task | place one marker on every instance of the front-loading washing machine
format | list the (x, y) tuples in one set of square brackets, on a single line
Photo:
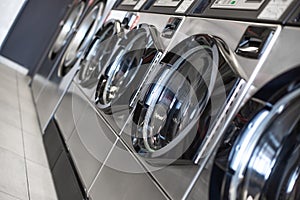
[(258, 158), (59, 79), (245, 160), (203, 74)]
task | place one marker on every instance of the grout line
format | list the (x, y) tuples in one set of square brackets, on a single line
[(25, 161), (10, 151), (36, 163), (10, 195)]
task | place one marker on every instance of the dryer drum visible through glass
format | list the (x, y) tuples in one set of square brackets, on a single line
[(259, 157), (121, 77), (98, 53), (67, 28), (181, 100)]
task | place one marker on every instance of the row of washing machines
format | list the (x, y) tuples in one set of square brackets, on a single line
[(173, 99)]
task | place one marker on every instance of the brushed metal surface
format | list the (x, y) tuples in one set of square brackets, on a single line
[(90, 144), (283, 56), (70, 110), (122, 177)]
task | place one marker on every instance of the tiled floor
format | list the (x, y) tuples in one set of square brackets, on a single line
[(24, 171)]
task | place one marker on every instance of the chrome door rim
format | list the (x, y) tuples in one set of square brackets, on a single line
[(84, 34), (116, 67), (92, 56), (210, 78), (257, 126)]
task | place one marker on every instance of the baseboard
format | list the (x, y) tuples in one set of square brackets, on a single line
[(13, 65)]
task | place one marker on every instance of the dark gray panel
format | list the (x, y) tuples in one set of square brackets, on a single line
[(31, 34)]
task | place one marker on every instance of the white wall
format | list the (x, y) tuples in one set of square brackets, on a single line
[(9, 10)]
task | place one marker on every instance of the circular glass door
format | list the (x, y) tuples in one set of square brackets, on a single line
[(67, 28), (82, 38), (98, 53), (169, 109), (126, 62)]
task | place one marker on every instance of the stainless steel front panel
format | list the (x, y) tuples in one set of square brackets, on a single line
[(122, 177), (229, 31), (160, 21), (70, 110), (90, 144), (283, 56), (51, 95)]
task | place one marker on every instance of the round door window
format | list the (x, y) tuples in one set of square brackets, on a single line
[(176, 97), (127, 61), (98, 53)]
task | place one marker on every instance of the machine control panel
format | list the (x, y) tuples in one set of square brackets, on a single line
[(275, 9), (167, 3), (238, 4), (184, 6), (133, 5)]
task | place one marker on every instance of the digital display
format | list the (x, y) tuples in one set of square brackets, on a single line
[(129, 2), (167, 3)]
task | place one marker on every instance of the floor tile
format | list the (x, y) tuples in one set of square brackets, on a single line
[(41, 185), (9, 97), (13, 174), (30, 123), (24, 91), (23, 78), (34, 149), (27, 107), (6, 70), (5, 196), (8, 82), (9, 114), (11, 138)]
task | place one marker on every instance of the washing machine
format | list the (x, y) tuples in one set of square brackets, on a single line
[(62, 73), (197, 83), (255, 156), (258, 157)]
